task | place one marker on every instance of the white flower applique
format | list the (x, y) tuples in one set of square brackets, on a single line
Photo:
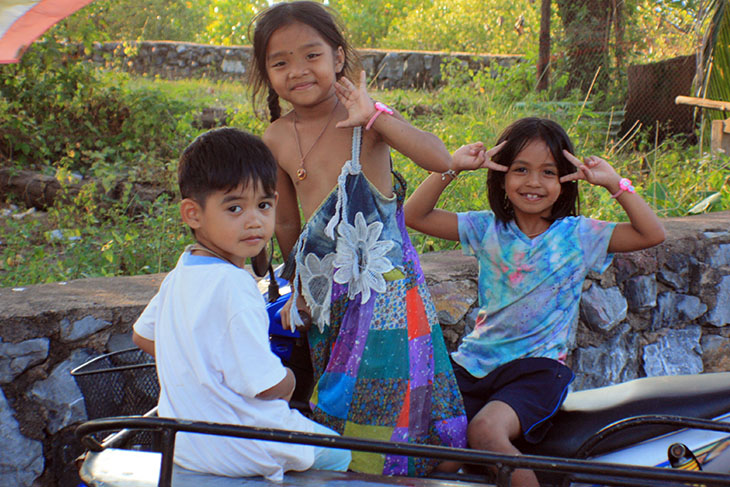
[(360, 259), (316, 279)]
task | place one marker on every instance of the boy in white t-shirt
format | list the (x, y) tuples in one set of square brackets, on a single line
[(208, 327)]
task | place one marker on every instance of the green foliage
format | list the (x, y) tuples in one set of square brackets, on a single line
[(57, 110), (664, 29), (368, 23), (228, 21), (498, 27), (130, 20), (84, 239), (60, 117)]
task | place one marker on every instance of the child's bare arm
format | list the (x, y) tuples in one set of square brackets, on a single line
[(423, 148), (421, 214), (283, 390), (644, 230), (288, 223), (420, 211), (144, 344)]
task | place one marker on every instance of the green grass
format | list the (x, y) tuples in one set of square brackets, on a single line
[(102, 239)]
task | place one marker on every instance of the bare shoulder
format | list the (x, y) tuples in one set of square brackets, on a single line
[(275, 135)]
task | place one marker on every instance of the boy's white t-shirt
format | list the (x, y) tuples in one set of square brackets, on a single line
[(210, 329)]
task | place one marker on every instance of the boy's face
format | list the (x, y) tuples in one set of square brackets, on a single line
[(236, 224)]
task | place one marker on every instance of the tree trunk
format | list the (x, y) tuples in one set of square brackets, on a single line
[(587, 26), (619, 33), (543, 61)]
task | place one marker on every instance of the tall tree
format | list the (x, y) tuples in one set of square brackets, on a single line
[(587, 25), (543, 56)]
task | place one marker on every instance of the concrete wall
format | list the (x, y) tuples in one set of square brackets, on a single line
[(661, 311), (177, 60)]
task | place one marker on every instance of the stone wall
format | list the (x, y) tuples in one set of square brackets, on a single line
[(661, 311), (177, 60)]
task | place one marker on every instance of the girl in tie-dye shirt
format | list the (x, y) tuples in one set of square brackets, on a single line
[(534, 252)]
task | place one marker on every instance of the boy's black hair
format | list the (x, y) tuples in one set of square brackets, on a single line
[(518, 135), (315, 15), (223, 159)]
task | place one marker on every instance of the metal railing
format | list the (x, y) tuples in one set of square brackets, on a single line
[(572, 469)]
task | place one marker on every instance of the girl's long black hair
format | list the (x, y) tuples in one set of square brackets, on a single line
[(518, 135)]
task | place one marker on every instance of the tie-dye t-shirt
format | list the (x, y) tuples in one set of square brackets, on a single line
[(529, 289)]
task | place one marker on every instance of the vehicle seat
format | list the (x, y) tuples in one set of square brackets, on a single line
[(584, 413)]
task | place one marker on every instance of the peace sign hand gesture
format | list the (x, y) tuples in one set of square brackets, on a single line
[(594, 170), (473, 156)]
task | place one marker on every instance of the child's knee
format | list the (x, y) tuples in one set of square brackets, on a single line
[(483, 433), (494, 428)]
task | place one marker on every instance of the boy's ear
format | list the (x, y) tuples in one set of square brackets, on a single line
[(191, 213), (339, 59)]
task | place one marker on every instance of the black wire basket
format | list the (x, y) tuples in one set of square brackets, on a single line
[(118, 384)]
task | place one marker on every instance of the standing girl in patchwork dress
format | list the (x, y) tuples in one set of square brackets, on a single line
[(381, 369)]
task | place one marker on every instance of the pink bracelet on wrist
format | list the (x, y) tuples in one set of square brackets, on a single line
[(379, 108), (624, 185)]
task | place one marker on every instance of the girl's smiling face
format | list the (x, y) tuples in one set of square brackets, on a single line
[(532, 182), (301, 66)]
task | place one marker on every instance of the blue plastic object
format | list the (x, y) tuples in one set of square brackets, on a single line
[(281, 341)]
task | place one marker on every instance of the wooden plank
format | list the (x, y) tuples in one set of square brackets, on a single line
[(723, 106)]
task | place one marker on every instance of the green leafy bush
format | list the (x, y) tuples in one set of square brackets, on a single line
[(56, 109)]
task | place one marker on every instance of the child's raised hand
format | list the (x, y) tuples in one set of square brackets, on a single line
[(593, 169), (473, 156), (357, 101), (468, 157)]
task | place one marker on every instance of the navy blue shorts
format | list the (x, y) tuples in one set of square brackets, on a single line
[(534, 387)]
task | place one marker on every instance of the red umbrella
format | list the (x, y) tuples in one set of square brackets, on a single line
[(24, 21)]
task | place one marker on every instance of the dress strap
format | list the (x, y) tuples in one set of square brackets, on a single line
[(356, 146), (350, 168)]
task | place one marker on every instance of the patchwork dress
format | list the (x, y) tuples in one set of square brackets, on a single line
[(381, 368)]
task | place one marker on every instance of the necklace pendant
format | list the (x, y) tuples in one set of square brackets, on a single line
[(301, 174)]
